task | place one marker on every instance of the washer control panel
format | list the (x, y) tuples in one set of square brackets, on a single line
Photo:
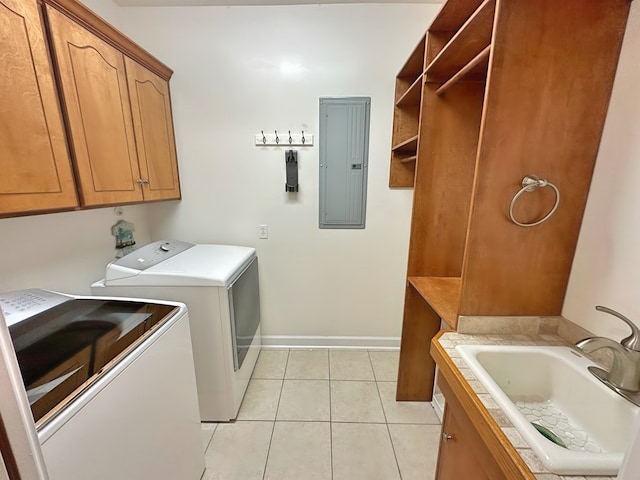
[(21, 304), (152, 254)]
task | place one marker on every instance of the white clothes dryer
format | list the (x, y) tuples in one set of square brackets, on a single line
[(219, 285)]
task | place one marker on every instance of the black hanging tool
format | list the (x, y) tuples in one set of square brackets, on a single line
[(291, 161)]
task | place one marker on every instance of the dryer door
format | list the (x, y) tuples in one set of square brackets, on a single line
[(244, 304)]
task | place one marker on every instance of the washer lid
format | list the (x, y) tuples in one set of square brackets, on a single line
[(199, 265)]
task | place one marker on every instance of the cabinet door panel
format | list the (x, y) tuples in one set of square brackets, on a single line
[(152, 121), (457, 458), (93, 78), (34, 160)]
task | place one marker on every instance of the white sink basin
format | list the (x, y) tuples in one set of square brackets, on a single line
[(552, 387)]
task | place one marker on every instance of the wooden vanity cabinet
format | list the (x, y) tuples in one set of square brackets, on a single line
[(510, 88), (35, 166), (462, 453)]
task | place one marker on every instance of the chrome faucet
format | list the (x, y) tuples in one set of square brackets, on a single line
[(624, 375)]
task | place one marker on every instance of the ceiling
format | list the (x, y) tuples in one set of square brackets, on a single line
[(185, 3)]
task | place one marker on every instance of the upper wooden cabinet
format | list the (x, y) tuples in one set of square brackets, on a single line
[(34, 160), (115, 104), (94, 86), (119, 117), (509, 89), (153, 126)]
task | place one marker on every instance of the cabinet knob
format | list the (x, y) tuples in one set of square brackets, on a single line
[(142, 181), (446, 436)]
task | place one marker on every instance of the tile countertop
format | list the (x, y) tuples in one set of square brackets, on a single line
[(565, 334)]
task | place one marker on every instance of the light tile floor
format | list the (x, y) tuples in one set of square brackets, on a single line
[(325, 415)]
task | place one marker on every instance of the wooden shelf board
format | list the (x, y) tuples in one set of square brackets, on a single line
[(412, 158), (415, 63), (477, 65), (453, 14), (402, 171), (409, 145), (412, 95), (442, 293), (472, 38)]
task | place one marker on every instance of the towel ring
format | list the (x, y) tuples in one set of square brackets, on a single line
[(529, 184)]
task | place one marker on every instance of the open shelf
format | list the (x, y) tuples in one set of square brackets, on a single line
[(474, 36), (412, 95), (402, 171), (406, 118), (411, 70), (411, 158), (476, 67), (442, 293), (409, 145), (452, 15)]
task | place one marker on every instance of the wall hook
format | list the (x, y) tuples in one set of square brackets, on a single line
[(290, 139), (303, 137), (264, 139), (277, 139)]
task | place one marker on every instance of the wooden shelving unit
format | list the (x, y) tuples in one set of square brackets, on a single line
[(406, 118), (508, 90)]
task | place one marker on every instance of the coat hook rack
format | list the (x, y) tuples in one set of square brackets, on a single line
[(302, 139)]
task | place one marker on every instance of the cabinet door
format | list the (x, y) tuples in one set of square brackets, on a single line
[(457, 458), (34, 160), (153, 126), (94, 86)]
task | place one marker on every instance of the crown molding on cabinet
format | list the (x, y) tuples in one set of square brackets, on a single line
[(89, 20)]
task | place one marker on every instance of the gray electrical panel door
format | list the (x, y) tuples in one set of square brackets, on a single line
[(344, 152)]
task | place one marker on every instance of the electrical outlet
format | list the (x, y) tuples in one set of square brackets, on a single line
[(263, 231)]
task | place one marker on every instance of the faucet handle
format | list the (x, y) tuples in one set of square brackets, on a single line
[(632, 342)]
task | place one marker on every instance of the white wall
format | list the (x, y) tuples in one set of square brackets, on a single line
[(229, 84), (62, 251), (606, 267)]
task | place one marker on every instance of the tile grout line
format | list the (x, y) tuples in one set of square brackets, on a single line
[(330, 419), (273, 428), (384, 412), (212, 434), (375, 377)]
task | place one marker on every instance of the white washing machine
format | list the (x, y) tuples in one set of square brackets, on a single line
[(219, 284), (110, 384)]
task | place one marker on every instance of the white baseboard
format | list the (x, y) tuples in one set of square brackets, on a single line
[(356, 343)]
